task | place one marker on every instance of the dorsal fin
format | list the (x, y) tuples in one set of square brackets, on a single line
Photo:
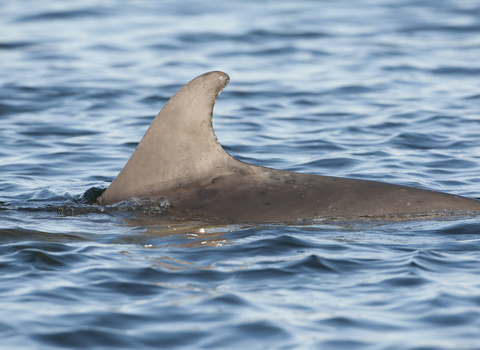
[(179, 144)]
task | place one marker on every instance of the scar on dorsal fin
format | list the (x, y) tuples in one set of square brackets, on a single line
[(180, 144)]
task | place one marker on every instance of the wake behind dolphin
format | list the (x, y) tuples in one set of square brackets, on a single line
[(180, 160)]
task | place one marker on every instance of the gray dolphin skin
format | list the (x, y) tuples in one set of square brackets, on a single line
[(179, 159)]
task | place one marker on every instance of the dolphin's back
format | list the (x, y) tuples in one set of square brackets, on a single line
[(180, 159)]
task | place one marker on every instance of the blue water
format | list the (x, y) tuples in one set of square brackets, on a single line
[(381, 90)]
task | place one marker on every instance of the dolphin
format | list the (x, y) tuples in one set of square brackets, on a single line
[(180, 160)]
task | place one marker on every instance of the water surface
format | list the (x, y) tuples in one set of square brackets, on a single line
[(380, 90)]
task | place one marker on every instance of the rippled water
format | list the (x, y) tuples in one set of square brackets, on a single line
[(382, 90)]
